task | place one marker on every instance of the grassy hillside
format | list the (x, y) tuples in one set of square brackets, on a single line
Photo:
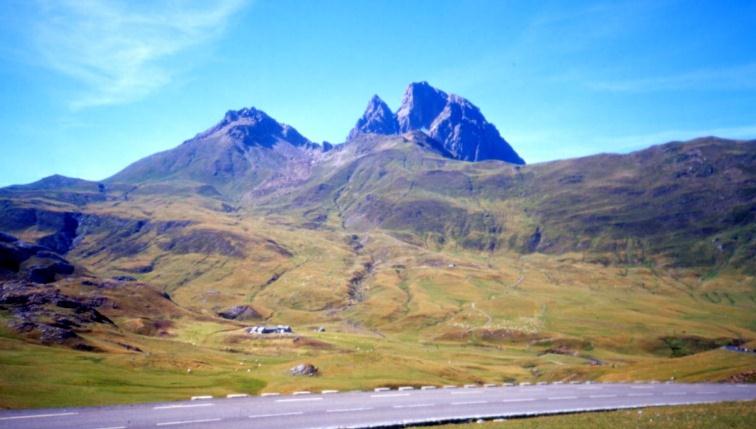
[(421, 270)]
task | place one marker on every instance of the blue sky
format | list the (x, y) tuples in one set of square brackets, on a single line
[(87, 87)]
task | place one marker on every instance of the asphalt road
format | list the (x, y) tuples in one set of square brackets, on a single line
[(377, 409)]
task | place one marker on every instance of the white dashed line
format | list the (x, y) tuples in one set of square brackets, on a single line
[(300, 399), (413, 406), (602, 396), (262, 416), (640, 394), (518, 400), (469, 403), (641, 387), (236, 395), (561, 398), (390, 395), (348, 410), (675, 394), (589, 388), (170, 407), (37, 416), (708, 392), (187, 422)]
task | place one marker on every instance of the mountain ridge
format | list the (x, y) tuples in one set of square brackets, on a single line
[(449, 118)]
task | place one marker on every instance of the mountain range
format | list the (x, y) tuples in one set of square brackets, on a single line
[(424, 229)]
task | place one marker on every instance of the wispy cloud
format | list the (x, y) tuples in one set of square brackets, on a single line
[(120, 51), (741, 77)]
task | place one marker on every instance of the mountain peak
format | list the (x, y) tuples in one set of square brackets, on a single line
[(420, 105), (254, 127), (448, 118), (377, 119)]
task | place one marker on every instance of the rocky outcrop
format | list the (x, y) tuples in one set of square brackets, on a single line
[(377, 119), (240, 312), (24, 261), (52, 317), (304, 369)]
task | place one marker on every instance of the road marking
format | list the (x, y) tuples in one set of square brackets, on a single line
[(640, 394), (347, 410), (560, 398), (299, 399), (518, 400), (469, 403), (170, 407), (114, 427), (270, 394), (262, 416), (708, 392), (602, 396), (675, 393), (413, 406), (201, 397), (466, 392), (37, 416), (589, 388), (427, 387), (186, 422), (302, 392), (381, 389), (236, 395), (390, 395), (406, 388), (325, 392)]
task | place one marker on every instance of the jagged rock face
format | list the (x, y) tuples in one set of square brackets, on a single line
[(377, 119), (420, 106), (455, 122), (447, 118), (467, 135), (20, 260)]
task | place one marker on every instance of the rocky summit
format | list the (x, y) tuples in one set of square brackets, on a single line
[(448, 118), (377, 119)]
